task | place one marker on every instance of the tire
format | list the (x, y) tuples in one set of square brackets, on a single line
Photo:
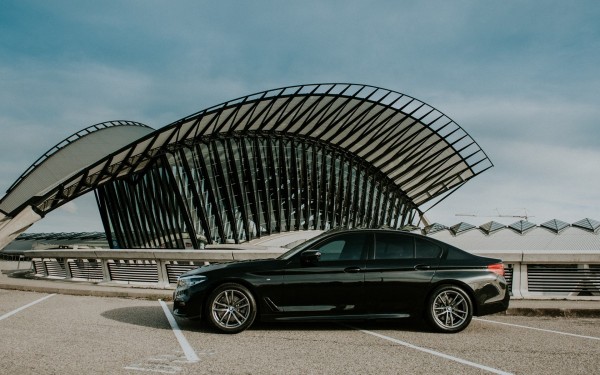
[(449, 309), (230, 308)]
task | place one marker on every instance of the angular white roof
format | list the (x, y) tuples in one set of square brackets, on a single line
[(537, 238), (69, 157)]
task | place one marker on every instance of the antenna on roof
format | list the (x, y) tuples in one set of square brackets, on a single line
[(524, 216)]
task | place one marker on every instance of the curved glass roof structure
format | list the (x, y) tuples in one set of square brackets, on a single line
[(415, 148), (419, 148)]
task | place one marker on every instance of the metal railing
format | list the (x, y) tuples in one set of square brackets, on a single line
[(152, 267)]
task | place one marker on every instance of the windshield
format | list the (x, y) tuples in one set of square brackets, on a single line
[(304, 245)]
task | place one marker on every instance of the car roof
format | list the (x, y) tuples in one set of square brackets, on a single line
[(380, 230)]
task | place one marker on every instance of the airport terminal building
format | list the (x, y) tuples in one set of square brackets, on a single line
[(310, 157), (269, 170)]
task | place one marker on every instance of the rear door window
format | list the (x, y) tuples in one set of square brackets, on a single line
[(394, 246), (426, 249)]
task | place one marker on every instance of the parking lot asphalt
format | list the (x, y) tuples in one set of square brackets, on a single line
[(45, 333), (17, 276)]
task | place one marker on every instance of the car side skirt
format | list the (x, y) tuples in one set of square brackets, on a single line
[(339, 317)]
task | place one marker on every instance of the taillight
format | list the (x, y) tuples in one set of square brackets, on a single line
[(497, 268)]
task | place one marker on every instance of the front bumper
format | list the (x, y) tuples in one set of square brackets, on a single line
[(185, 309), (187, 301)]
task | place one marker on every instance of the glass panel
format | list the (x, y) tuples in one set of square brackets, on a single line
[(427, 249), (394, 246), (351, 246)]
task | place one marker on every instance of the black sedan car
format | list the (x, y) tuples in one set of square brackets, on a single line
[(348, 275)]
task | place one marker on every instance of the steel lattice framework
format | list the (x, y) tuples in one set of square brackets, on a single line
[(310, 156), (241, 187)]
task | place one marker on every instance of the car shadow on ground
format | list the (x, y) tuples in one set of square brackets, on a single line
[(18, 274), (145, 316), (408, 325), (154, 317)]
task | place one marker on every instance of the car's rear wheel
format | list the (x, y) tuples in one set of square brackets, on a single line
[(449, 309), (231, 308)]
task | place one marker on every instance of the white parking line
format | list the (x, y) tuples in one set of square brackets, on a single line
[(538, 329), (433, 352), (24, 307), (190, 354)]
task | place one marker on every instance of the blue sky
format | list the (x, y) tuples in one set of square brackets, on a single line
[(522, 78)]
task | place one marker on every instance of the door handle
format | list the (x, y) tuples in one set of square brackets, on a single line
[(420, 267), (352, 269)]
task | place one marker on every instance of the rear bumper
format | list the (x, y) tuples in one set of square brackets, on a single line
[(494, 307)]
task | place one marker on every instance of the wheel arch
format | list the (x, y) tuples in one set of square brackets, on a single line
[(233, 280)]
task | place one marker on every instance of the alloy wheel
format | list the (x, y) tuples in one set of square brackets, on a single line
[(450, 309), (231, 309)]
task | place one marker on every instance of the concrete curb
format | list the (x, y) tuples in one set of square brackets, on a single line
[(553, 312), (149, 294)]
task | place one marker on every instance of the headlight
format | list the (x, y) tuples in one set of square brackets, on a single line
[(188, 281)]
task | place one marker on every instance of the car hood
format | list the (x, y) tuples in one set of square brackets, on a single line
[(241, 265)]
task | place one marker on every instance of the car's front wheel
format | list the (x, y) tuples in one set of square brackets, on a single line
[(231, 308), (449, 309)]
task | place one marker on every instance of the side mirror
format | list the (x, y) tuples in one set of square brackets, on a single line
[(310, 257)]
